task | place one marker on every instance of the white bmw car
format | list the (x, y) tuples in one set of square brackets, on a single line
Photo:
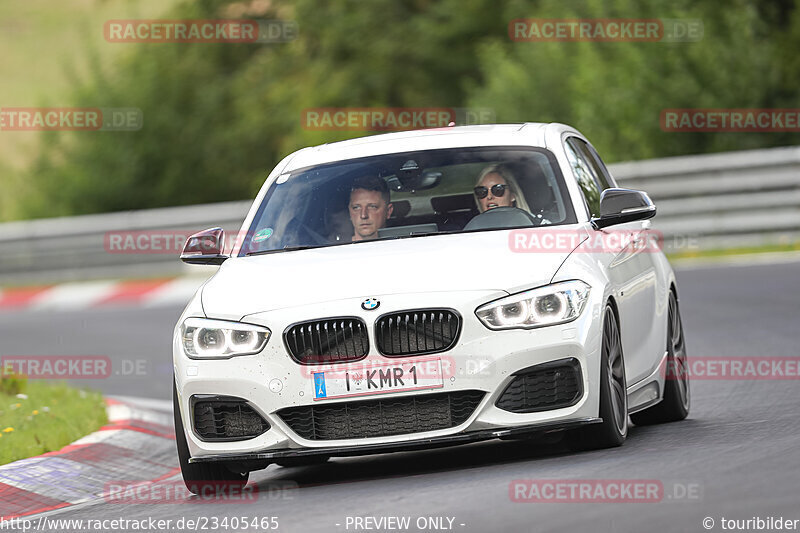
[(423, 289)]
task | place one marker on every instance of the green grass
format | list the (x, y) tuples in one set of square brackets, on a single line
[(723, 252), (38, 417)]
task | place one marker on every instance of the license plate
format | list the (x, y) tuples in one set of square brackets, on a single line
[(378, 379)]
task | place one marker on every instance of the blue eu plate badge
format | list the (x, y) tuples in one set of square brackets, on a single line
[(319, 385)]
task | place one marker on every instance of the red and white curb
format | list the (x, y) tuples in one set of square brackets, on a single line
[(79, 472), (83, 295)]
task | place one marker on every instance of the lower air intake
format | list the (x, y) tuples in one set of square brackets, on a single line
[(543, 387), (381, 418), (226, 419)]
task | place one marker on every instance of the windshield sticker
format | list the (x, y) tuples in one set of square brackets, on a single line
[(262, 235)]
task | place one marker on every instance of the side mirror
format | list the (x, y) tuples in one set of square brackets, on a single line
[(205, 248), (618, 206)]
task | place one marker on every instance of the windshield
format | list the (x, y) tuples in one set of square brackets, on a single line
[(410, 194)]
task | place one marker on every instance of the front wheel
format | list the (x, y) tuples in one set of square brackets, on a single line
[(613, 430), (201, 478)]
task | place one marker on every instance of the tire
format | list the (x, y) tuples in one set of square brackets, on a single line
[(613, 431), (677, 397), (200, 477)]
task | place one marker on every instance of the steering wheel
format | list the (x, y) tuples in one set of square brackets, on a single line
[(502, 217), (305, 236)]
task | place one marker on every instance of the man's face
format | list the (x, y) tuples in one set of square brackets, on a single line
[(368, 213)]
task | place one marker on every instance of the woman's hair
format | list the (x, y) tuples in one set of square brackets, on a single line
[(511, 181)]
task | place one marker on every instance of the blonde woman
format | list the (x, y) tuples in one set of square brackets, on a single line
[(497, 187)]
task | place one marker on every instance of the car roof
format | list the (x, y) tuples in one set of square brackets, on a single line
[(524, 134)]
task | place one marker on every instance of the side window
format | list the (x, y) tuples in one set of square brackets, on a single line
[(606, 178), (584, 176), (598, 170)]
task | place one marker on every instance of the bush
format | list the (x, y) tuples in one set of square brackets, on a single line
[(217, 118)]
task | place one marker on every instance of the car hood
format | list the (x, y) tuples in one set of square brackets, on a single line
[(476, 261)]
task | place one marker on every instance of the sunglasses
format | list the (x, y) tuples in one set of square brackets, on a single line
[(497, 190)]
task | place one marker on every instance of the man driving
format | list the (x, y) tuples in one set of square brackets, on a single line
[(369, 207)]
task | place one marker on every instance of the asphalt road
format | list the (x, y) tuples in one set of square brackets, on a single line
[(737, 456), (137, 342)]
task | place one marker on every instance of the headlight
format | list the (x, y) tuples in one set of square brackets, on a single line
[(208, 339), (544, 306)]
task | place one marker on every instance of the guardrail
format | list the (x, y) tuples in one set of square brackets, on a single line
[(725, 200), (78, 248)]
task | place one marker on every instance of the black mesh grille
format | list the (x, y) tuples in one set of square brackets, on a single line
[(330, 340), (417, 332), (380, 418), (227, 419), (542, 387)]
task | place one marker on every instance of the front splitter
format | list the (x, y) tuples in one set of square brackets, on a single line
[(389, 447)]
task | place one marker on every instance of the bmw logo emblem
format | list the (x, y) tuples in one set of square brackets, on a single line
[(370, 304)]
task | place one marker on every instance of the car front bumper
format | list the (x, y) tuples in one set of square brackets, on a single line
[(482, 360)]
